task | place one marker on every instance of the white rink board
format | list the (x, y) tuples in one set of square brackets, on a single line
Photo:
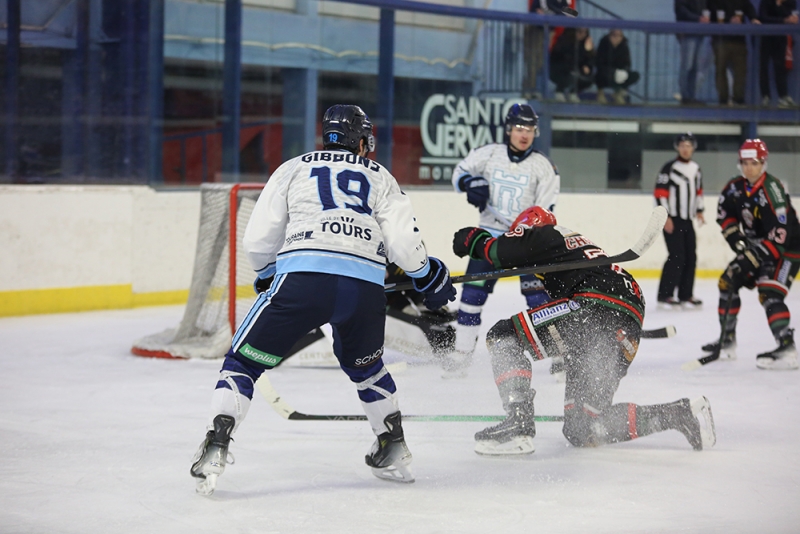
[(73, 236)]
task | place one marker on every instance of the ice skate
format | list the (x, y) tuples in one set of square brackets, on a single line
[(728, 346), (783, 358), (694, 420), (669, 303), (212, 456), (514, 435), (692, 303), (558, 370), (456, 364), (389, 457)]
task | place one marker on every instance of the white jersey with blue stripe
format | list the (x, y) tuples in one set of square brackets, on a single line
[(513, 187), (334, 212)]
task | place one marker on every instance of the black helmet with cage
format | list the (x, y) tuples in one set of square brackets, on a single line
[(344, 126)]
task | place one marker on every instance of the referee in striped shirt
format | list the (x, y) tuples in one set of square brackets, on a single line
[(679, 188)]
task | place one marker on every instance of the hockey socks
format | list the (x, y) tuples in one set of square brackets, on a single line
[(692, 418)]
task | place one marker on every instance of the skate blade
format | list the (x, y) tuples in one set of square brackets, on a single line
[(207, 485), (701, 409), (691, 365), (394, 473), (456, 374), (783, 364), (517, 445)]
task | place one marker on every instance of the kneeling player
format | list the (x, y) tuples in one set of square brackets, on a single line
[(594, 323)]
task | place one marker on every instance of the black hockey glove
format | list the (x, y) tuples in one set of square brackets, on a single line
[(477, 190), (262, 285), (436, 285), (735, 239), (741, 271), (470, 242)]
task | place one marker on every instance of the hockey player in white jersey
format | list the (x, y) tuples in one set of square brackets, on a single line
[(502, 181), (319, 239)]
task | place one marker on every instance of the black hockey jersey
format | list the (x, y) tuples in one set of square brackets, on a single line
[(761, 214), (609, 285)]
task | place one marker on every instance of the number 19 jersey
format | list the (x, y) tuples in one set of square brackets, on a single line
[(333, 212)]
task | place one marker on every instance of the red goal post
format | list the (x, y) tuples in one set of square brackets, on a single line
[(221, 290)]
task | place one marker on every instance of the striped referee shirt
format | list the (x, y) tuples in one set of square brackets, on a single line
[(679, 188)]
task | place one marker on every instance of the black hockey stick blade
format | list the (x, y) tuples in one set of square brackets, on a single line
[(287, 412), (714, 356), (651, 232), (659, 333)]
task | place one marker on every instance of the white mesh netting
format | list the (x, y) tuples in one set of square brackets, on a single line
[(207, 325)]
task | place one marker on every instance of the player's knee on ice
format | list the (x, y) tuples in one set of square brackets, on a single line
[(581, 428)]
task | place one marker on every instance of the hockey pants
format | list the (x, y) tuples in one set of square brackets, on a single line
[(596, 358)]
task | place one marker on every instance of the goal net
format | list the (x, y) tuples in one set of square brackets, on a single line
[(221, 291)]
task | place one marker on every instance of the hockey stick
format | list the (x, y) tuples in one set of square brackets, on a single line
[(267, 390), (498, 216), (651, 232), (659, 333), (714, 356)]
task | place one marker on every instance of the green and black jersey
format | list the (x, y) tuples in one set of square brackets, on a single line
[(761, 214), (609, 285)]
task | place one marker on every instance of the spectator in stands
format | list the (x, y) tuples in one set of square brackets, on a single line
[(534, 50), (731, 50), (614, 67), (534, 43), (691, 44), (571, 64), (773, 49)]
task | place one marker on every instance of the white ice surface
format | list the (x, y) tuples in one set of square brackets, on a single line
[(95, 440)]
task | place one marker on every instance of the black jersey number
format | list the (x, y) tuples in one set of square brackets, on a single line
[(351, 183)]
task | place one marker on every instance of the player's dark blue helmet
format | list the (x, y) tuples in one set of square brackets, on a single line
[(344, 126), (522, 115), (688, 136)]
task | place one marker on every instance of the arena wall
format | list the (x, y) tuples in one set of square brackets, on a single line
[(74, 248)]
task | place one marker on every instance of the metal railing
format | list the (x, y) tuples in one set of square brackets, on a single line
[(655, 54)]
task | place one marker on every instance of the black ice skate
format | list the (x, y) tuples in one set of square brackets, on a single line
[(514, 435), (212, 456), (783, 358), (694, 420), (389, 457), (692, 303), (728, 346), (669, 303)]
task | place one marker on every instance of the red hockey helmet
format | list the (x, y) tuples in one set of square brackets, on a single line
[(534, 217), (754, 149)]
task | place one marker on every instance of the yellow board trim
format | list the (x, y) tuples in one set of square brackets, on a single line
[(656, 273), (87, 298)]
